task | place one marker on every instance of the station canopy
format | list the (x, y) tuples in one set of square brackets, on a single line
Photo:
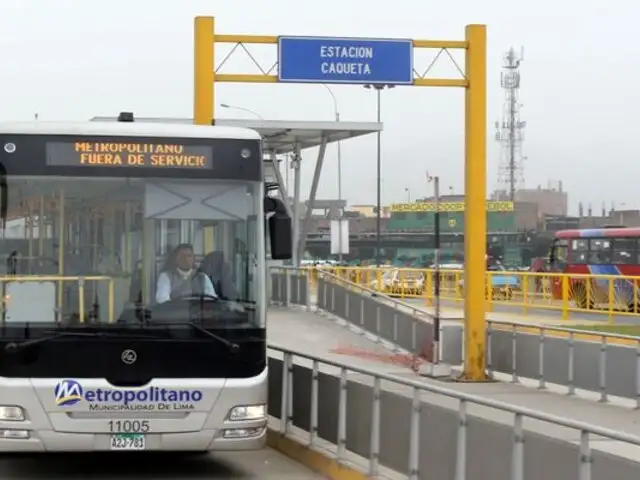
[(282, 136)]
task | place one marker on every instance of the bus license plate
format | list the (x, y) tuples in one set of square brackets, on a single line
[(128, 441)]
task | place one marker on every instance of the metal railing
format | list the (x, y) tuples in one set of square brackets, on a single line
[(389, 429), (63, 281), (609, 295), (409, 328), (296, 285), (290, 286), (384, 299), (607, 363), (404, 326)]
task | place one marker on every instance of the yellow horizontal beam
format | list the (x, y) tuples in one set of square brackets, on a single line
[(440, 82), (261, 78), (246, 78), (265, 39), (440, 44), (51, 278), (272, 39)]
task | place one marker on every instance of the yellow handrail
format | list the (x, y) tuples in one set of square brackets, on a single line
[(61, 279), (526, 292)]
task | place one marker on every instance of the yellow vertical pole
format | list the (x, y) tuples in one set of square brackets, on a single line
[(203, 71), (41, 228), (111, 299), (126, 263), (475, 221), (208, 240), (61, 247), (30, 224)]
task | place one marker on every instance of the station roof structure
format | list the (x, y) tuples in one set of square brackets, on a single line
[(282, 136)]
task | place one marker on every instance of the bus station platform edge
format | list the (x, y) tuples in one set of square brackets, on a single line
[(322, 337)]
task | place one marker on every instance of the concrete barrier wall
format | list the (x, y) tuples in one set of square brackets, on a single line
[(612, 369), (289, 286), (489, 444), (388, 320)]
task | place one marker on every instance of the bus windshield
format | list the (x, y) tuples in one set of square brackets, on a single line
[(118, 250)]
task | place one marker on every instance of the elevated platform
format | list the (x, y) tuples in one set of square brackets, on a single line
[(552, 446), (330, 339)]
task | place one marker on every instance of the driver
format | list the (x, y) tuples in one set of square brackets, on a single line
[(182, 279)]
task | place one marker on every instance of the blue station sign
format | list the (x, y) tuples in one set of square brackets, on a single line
[(345, 60)]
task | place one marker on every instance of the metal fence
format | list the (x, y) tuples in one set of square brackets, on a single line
[(403, 325), (427, 431), (290, 286), (601, 362), (609, 295)]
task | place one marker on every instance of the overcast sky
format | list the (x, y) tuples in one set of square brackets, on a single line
[(71, 60)]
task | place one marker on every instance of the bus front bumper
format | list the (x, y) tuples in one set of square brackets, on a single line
[(15, 439)]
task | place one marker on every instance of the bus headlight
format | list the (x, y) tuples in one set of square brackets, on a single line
[(247, 412), (10, 413)]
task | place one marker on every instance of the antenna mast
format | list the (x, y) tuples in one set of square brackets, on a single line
[(510, 129)]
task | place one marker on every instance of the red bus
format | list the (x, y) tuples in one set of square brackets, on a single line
[(598, 251)]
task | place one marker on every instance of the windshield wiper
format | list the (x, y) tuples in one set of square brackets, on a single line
[(14, 347), (233, 347)]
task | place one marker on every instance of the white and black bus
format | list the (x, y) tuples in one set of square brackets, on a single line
[(133, 287)]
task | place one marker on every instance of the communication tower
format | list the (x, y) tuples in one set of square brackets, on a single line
[(510, 129)]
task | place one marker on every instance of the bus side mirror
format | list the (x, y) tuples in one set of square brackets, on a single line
[(280, 236), (4, 196), (280, 231)]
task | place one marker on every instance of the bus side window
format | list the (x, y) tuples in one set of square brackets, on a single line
[(600, 251), (559, 252), (624, 251), (579, 251)]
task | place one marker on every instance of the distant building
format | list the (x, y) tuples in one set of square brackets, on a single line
[(419, 216), (368, 210), (551, 200)]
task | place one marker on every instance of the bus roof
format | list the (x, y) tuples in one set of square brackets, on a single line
[(600, 232), (127, 129)]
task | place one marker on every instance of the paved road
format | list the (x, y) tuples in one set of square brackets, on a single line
[(263, 464)]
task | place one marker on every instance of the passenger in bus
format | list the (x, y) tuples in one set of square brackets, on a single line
[(181, 278)]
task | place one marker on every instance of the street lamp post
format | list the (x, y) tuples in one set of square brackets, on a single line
[(336, 113), (436, 262), (378, 88), (242, 109)]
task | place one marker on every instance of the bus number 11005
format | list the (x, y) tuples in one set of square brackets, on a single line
[(129, 426)]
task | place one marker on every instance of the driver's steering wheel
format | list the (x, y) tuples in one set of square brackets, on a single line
[(191, 296), (231, 306)]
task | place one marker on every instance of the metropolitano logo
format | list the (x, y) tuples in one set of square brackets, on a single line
[(68, 393)]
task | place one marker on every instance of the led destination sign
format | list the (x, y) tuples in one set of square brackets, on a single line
[(129, 154)]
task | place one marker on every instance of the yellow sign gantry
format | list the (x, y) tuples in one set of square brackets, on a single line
[(474, 81)]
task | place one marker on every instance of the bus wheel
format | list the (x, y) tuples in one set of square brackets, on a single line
[(633, 307)]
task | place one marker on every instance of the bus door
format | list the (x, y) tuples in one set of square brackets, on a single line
[(557, 262)]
